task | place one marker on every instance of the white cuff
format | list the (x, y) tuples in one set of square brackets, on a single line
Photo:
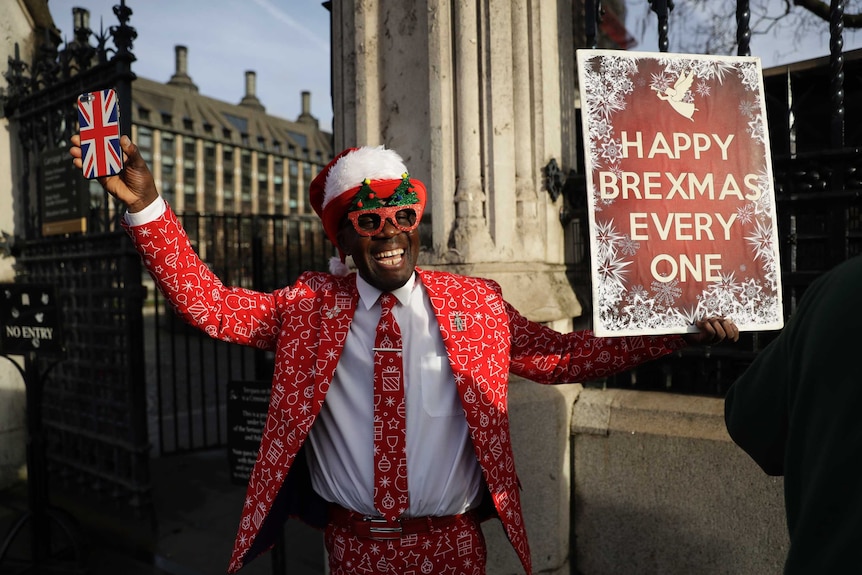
[(152, 212)]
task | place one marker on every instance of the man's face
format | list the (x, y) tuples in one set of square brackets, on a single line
[(385, 259)]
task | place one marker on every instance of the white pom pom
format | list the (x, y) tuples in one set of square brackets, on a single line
[(373, 163), (338, 267)]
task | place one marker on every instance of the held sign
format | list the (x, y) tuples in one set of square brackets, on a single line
[(680, 192), (28, 319)]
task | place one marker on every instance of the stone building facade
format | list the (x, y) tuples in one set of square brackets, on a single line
[(211, 156)]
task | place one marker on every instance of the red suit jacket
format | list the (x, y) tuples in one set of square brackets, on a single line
[(306, 325)]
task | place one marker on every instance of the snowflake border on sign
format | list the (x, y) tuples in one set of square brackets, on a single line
[(608, 82)]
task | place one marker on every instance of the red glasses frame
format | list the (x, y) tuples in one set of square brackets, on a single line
[(383, 214)]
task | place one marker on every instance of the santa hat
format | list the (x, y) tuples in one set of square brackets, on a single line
[(332, 191)]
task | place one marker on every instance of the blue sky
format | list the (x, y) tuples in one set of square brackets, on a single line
[(286, 42)]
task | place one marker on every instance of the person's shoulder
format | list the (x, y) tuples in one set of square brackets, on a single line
[(843, 278), (852, 266), (452, 278), (323, 281)]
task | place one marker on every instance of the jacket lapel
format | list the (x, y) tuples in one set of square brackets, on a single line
[(295, 402), (336, 313), (472, 319)]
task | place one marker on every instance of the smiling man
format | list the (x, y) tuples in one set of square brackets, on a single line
[(388, 422), (370, 206)]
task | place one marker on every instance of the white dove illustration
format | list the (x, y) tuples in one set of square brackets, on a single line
[(675, 96)]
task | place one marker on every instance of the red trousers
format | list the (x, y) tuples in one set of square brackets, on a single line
[(457, 549)]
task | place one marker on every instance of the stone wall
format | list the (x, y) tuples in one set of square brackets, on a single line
[(645, 483)]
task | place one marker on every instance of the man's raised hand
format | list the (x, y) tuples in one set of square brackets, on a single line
[(134, 186)]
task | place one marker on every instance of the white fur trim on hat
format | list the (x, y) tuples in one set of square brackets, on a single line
[(372, 163)]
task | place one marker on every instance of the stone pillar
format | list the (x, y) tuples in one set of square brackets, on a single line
[(472, 233), (526, 195), (476, 97)]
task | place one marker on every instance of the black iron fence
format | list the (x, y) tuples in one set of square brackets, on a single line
[(94, 398), (188, 372)]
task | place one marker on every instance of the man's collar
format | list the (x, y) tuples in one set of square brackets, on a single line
[(369, 294)]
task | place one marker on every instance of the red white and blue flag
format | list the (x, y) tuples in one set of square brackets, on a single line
[(99, 117)]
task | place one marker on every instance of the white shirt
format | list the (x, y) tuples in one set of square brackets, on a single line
[(443, 475)]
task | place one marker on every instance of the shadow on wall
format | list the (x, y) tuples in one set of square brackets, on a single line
[(652, 504), (659, 543)]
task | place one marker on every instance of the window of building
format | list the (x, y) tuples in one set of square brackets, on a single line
[(188, 124), (190, 174), (144, 114), (293, 184), (300, 139), (229, 188), (97, 195), (209, 175), (169, 172), (245, 181), (238, 122), (263, 182), (166, 119), (145, 144), (306, 174), (278, 185)]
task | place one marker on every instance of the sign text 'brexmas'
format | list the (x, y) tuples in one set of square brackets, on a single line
[(679, 186)]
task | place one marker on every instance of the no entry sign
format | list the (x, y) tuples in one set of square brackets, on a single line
[(29, 319)]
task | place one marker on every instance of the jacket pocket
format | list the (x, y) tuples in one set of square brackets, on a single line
[(439, 392)]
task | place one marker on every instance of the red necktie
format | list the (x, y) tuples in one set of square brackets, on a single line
[(390, 422)]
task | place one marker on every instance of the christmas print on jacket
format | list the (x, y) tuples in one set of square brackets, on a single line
[(306, 325)]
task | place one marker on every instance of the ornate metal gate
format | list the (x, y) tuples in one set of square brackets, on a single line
[(94, 399), (191, 370)]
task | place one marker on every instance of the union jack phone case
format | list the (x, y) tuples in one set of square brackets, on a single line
[(99, 123)]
